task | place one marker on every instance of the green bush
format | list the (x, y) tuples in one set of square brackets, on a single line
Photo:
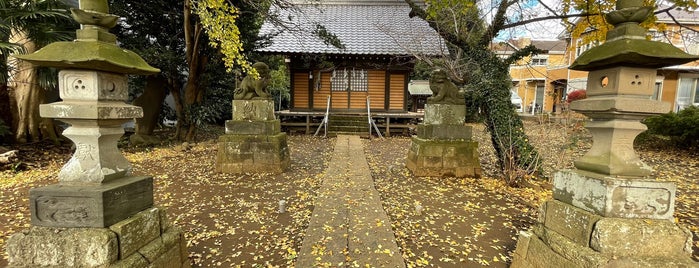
[(682, 127)]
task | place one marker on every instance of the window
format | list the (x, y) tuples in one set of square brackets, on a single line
[(540, 90), (539, 61), (657, 36), (687, 92), (338, 80), (580, 47), (658, 90), (349, 80), (575, 84), (690, 39)]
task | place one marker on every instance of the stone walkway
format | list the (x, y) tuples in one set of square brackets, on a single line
[(349, 227)]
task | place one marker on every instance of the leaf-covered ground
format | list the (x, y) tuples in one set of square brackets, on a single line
[(231, 220)]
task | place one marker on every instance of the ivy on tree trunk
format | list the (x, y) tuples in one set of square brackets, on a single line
[(489, 76)]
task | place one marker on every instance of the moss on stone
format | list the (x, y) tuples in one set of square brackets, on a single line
[(632, 53), (90, 55)]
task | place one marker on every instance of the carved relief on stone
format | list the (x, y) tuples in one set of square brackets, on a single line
[(113, 86), (248, 111), (62, 210), (640, 202), (91, 85), (75, 85)]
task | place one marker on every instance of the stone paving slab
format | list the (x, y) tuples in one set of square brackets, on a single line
[(349, 226)]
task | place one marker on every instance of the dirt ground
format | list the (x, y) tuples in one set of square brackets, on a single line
[(231, 220)]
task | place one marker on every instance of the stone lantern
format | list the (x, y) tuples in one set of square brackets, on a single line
[(97, 215), (610, 212)]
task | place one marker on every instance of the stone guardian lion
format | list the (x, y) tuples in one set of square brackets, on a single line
[(443, 90), (255, 89)]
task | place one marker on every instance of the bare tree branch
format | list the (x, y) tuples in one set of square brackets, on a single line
[(553, 17), (417, 11), (683, 26), (547, 7), (498, 22)]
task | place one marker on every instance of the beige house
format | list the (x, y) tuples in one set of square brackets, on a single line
[(531, 78), (677, 85), (544, 80)]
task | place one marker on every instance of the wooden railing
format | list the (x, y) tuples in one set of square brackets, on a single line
[(371, 120), (325, 121)]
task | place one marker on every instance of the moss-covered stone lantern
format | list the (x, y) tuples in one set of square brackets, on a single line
[(610, 212), (98, 215)]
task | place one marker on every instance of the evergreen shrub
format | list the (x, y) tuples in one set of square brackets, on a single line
[(682, 127)]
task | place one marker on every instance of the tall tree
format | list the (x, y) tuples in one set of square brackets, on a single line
[(162, 45), (474, 64), (187, 48), (26, 26)]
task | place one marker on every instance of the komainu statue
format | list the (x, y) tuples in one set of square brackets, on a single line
[(443, 90), (254, 89)]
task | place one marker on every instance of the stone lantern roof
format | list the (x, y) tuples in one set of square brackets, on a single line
[(94, 49)]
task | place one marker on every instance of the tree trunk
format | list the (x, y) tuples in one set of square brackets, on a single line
[(151, 101), (26, 97), (196, 62), (516, 156), (179, 111), (5, 110), (189, 100)]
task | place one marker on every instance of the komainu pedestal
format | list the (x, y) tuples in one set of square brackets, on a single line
[(253, 142), (443, 145)]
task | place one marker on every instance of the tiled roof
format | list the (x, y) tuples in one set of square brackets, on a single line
[(682, 16), (515, 44), (352, 2), (550, 45), (380, 27), (502, 47)]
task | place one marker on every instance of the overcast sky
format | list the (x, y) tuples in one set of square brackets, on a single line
[(549, 29)]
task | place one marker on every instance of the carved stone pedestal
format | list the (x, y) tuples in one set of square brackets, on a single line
[(443, 145), (146, 239), (613, 224), (65, 205), (253, 142)]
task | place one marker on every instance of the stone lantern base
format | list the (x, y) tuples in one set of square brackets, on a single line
[(253, 142), (146, 239), (443, 145), (614, 223)]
